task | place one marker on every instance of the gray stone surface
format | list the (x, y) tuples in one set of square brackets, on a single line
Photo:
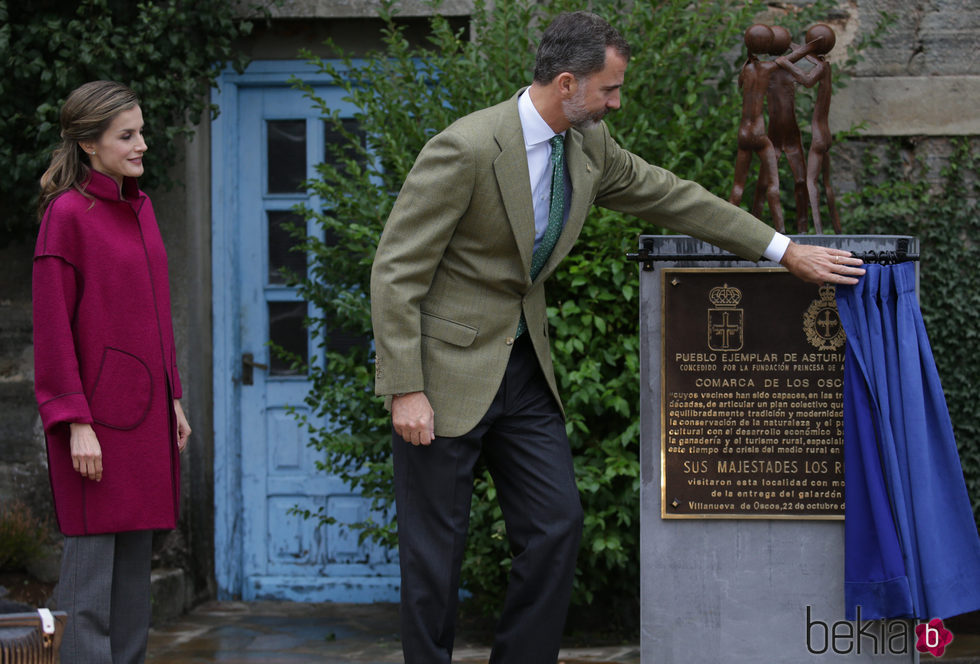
[(23, 459), (47, 566), (908, 106), (172, 594), (325, 633), (730, 590), (184, 215), (927, 38)]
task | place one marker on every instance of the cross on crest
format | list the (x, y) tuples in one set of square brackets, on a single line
[(725, 321)]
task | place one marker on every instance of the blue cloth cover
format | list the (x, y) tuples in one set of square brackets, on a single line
[(912, 548)]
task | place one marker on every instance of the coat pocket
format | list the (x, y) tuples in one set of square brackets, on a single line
[(123, 391), (446, 330)]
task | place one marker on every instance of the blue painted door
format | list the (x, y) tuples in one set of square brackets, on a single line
[(263, 551)]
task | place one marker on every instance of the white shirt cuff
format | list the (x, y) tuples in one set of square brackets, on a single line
[(777, 247)]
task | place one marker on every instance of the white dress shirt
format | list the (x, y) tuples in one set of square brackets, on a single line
[(537, 135)]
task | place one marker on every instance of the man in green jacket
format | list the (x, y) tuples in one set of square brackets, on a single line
[(491, 207)]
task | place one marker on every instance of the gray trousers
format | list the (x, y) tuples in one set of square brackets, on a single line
[(105, 590)]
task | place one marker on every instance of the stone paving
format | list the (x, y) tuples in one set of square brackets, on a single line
[(287, 633), (292, 633)]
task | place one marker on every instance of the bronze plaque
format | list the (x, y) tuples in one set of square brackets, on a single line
[(752, 388)]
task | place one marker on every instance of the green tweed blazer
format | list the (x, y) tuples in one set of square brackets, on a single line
[(452, 271)]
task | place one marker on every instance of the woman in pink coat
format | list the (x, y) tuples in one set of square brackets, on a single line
[(105, 373)]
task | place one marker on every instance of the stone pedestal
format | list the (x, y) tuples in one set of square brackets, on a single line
[(741, 590)]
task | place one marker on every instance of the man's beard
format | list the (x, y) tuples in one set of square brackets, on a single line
[(578, 115)]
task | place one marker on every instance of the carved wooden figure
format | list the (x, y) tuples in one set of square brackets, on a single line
[(820, 40), (784, 130), (753, 80)]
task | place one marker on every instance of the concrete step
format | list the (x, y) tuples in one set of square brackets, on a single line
[(171, 593)]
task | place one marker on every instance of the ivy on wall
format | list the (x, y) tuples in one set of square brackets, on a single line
[(169, 51)]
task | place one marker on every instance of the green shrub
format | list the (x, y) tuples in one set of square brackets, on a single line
[(170, 52), (680, 110), (22, 536)]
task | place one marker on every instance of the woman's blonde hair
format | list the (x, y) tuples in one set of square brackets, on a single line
[(86, 115)]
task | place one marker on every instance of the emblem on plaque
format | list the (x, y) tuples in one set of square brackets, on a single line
[(725, 320), (821, 322)]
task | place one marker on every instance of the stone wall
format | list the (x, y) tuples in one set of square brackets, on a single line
[(23, 460), (921, 84)]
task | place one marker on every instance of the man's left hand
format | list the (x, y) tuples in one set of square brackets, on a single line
[(818, 264)]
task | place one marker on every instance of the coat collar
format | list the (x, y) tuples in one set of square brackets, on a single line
[(102, 186)]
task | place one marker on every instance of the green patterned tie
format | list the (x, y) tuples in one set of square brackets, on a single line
[(556, 215)]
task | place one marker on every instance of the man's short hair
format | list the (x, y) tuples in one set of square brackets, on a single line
[(576, 42)]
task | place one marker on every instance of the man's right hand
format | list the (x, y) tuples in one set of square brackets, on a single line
[(413, 418)]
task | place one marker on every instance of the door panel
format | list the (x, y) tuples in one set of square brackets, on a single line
[(271, 552)]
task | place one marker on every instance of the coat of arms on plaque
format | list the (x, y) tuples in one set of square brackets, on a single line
[(821, 322), (725, 321)]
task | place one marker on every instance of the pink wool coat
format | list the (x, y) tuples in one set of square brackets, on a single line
[(104, 354)]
